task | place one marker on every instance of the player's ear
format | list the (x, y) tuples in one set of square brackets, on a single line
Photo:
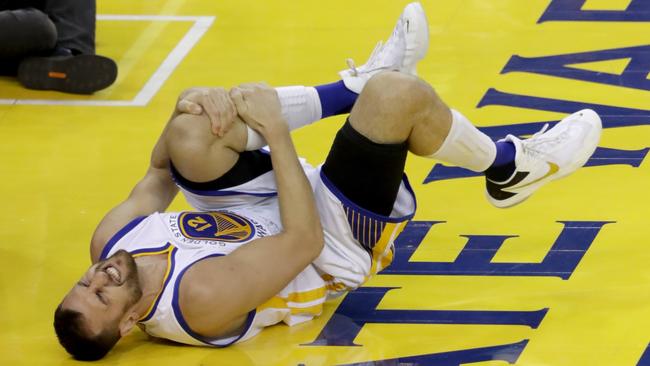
[(127, 323)]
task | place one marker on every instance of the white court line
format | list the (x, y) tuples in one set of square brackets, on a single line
[(155, 82)]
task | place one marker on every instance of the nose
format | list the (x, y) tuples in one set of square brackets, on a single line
[(98, 280)]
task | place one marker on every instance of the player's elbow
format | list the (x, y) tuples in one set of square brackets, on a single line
[(317, 242), (309, 241)]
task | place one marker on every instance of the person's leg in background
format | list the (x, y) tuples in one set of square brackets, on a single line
[(70, 65), (24, 30), (75, 24)]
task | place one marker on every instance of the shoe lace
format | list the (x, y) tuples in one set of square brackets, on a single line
[(377, 59), (538, 145), (371, 60)]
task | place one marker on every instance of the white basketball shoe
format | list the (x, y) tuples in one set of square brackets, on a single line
[(546, 156), (404, 49)]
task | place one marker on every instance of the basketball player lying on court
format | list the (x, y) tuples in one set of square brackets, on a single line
[(275, 237)]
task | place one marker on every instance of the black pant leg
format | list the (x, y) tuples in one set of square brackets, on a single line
[(21, 4), (25, 32), (9, 67), (75, 23)]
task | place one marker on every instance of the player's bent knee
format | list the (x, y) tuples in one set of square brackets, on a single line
[(393, 80), (188, 129), (384, 82), (188, 138), (195, 152), (388, 78), (399, 89)]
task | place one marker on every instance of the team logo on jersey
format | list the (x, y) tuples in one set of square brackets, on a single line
[(217, 226)]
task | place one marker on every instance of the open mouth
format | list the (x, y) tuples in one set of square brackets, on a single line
[(114, 274)]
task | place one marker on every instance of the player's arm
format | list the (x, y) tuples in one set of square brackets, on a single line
[(154, 192), (217, 293)]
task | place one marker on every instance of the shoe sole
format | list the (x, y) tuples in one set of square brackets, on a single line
[(593, 119), (82, 74), (417, 20)]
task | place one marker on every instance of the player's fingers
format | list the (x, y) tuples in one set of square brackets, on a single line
[(249, 87), (228, 116), (212, 110), (246, 85), (238, 99), (187, 93), (187, 106), (221, 104)]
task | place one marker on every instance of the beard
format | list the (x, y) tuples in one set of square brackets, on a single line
[(130, 279)]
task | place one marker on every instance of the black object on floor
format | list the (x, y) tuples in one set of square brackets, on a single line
[(81, 74)]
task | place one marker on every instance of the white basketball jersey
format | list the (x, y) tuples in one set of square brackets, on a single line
[(358, 243), (189, 237)]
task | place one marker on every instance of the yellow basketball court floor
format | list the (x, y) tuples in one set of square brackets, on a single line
[(561, 280)]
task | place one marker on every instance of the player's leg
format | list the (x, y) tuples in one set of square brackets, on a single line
[(215, 172), (205, 165), (196, 154), (202, 161), (303, 105), (363, 196), (407, 45), (367, 201), (396, 107), (366, 161)]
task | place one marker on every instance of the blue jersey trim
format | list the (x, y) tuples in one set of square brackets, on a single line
[(119, 235), (164, 286), (368, 213), (181, 320)]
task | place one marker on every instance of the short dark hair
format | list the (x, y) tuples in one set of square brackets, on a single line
[(69, 327)]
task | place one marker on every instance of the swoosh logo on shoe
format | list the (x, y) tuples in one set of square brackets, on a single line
[(498, 190), (552, 169)]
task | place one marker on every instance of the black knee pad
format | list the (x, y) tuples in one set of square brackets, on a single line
[(365, 172)]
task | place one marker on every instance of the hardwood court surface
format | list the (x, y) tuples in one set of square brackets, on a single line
[(560, 280)]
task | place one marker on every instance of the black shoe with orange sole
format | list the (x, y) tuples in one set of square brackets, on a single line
[(81, 74)]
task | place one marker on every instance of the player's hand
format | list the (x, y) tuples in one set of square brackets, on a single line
[(214, 102), (258, 105)]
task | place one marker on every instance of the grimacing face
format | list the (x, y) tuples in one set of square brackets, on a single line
[(105, 292)]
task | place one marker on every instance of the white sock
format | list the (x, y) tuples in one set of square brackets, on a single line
[(466, 146), (300, 107)]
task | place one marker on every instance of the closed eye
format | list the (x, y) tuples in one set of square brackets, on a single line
[(101, 298), (99, 295)]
